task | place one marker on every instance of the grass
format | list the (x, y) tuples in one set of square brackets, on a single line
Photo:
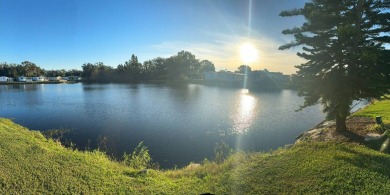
[(32, 164), (377, 108)]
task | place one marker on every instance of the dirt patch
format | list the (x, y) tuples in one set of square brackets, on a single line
[(361, 125), (358, 127)]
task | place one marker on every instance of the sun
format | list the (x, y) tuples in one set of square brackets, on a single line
[(248, 53)]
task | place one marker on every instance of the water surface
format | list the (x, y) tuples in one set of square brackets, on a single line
[(180, 123)]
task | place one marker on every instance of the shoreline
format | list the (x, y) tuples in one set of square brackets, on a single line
[(319, 130), (38, 82)]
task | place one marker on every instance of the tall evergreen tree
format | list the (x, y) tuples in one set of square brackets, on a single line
[(344, 43)]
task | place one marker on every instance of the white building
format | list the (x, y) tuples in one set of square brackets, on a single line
[(224, 76), (55, 78), (3, 79), (38, 79), (21, 79)]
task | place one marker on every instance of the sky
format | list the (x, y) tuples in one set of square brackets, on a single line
[(65, 34)]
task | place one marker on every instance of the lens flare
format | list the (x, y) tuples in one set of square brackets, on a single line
[(385, 145)]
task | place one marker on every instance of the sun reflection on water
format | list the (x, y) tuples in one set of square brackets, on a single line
[(245, 112)]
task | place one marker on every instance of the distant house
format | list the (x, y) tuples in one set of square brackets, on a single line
[(29, 79), (74, 78), (3, 79), (261, 75), (55, 78), (275, 75), (257, 75), (224, 76), (38, 79), (210, 75), (21, 79), (65, 78)]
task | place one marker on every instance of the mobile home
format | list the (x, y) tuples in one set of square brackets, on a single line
[(224, 76), (3, 79), (39, 79), (21, 79), (55, 78), (74, 78)]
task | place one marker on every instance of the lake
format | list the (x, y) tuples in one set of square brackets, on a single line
[(180, 123)]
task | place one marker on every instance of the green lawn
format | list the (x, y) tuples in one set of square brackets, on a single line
[(378, 108), (32, 164)]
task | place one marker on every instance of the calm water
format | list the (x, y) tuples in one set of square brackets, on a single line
[(179, 123)]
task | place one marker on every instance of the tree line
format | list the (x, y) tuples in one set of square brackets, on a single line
[(182, 66), (30, 69)]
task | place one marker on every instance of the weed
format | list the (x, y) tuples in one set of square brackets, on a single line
[(139, 159), (102, 143), (222, 151)]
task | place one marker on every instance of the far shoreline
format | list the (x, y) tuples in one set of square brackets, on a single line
[(37, 82)]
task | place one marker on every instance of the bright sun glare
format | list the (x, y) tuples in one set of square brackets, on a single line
[(248, 53)]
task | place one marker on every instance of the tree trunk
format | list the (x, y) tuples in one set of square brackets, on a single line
[(340, 124)]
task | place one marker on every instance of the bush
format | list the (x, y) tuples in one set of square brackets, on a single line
[(222, 151), (139, 159)]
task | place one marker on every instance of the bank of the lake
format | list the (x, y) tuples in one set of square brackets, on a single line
[(32, 164), (36, 82)]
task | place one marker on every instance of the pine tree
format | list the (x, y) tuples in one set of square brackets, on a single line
[(346, 47)]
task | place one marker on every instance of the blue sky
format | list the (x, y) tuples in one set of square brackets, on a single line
[(64, 34)]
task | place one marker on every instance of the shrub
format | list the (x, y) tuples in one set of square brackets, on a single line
[(139, 159), (222, 151)]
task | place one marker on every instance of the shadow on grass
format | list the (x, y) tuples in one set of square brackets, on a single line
[(377, 144), (353, 136), (372, 162), (373, 144)]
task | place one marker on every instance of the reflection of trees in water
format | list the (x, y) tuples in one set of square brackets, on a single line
[(31, 97)]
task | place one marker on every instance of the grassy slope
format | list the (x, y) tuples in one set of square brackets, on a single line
[(314, 168), (378, 108), (30, 164)]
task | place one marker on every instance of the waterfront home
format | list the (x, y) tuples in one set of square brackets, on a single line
[(38, 79), (65, 78), (3, 79), (224, 76), (55, 78), (260, 75), (74, 78), (29, 79), (210, 76), (21, 79)]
